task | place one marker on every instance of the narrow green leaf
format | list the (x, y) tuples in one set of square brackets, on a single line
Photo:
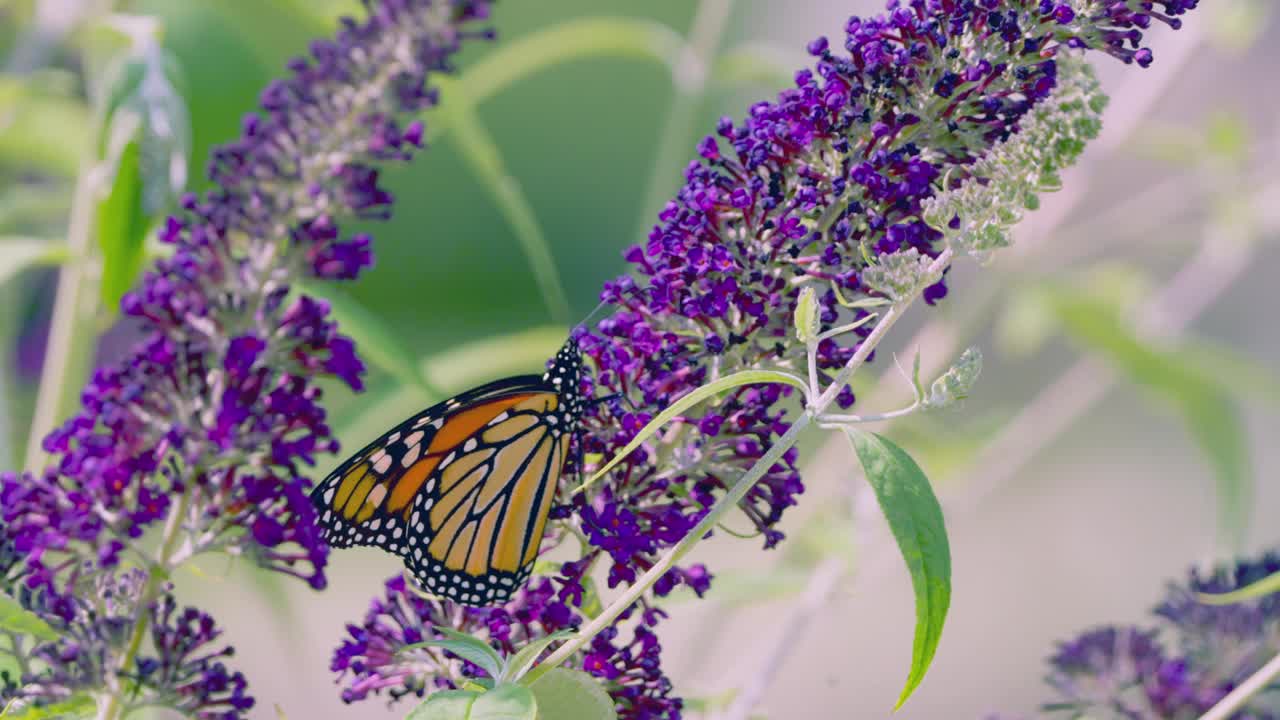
[(624, 37), (1197, 393), (19, 253), (474, 362), (378, 343), (122, 228), (480, 152), (758, 64), (445, 705), (729, 382), (572, 695), (15, 618), (77, 706), (517, 665), (473, 650), (1248, 379), (506, 702), (1262, 588), (915, 518)]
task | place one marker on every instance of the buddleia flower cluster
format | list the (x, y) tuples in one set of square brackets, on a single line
[(1184, 665), (852, 182), (206, 431)]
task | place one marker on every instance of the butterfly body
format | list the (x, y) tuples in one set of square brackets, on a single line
[(462, 489)]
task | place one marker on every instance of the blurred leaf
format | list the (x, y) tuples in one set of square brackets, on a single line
[(378, 343), (1227, 136), (1249, 379), (758, 64), (1026, 324), (1200, 397), (122, 228), (473, 650), (25, 206), (475, 362), (18, 254), (445, 705), (1266, 586), (565, 694), (915, 517), (506, 702), (517, 665), (14, 618), (710, 390), (485, 160), (738, 588), (77, 706), (40, 130), (1237, 24), (567, 41)]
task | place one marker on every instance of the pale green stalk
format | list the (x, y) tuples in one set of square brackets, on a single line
[(1237, 698), (69, 353)]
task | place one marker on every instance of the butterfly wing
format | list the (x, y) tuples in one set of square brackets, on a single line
[(460, 490)]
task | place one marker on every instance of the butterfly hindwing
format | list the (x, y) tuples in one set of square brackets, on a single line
[(461, 490)]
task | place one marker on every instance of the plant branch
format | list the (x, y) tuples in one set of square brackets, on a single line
[(112, 708), (731, 498), (1236, 699)]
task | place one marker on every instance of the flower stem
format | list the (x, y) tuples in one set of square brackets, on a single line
[(739, 489), (113, 706), (1238, 697), (70, 347)]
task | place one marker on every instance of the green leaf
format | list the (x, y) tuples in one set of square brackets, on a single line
[(122, 228), (19, 253), (571, 695), (17, 619), (915, 517), (1262, 588), (1248, 379), (473, 650), (481, 153), (758, 64), (567, 41), (445, 705), (729, 382), (506, 702), (378, 343), (517, 665), (77, 706), (1199, 397), (474, 362), (40, 129)]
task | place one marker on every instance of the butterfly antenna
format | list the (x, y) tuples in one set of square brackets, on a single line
[(604, 304)]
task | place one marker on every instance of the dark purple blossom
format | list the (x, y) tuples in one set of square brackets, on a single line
[(1132, 672), (839, 167), (373, 658), (216, 413)]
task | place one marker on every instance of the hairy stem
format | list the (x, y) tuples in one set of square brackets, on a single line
[(112, 708)]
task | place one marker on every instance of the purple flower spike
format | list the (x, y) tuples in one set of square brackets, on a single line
[(218, 408)]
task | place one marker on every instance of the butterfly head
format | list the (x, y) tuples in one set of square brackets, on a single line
[(564, 374)]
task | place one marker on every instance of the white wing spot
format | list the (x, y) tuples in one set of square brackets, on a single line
[(411, 456)]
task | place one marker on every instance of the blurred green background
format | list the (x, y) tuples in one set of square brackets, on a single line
[(1062, 516)]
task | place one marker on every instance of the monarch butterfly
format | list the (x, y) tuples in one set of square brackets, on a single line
[(462, 489)]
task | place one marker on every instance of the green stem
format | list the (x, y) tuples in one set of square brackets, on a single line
[(69, 352), (689, 80), (113, 707), (739, 489)]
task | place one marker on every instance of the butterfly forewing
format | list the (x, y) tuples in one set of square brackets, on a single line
[(461, 490)]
